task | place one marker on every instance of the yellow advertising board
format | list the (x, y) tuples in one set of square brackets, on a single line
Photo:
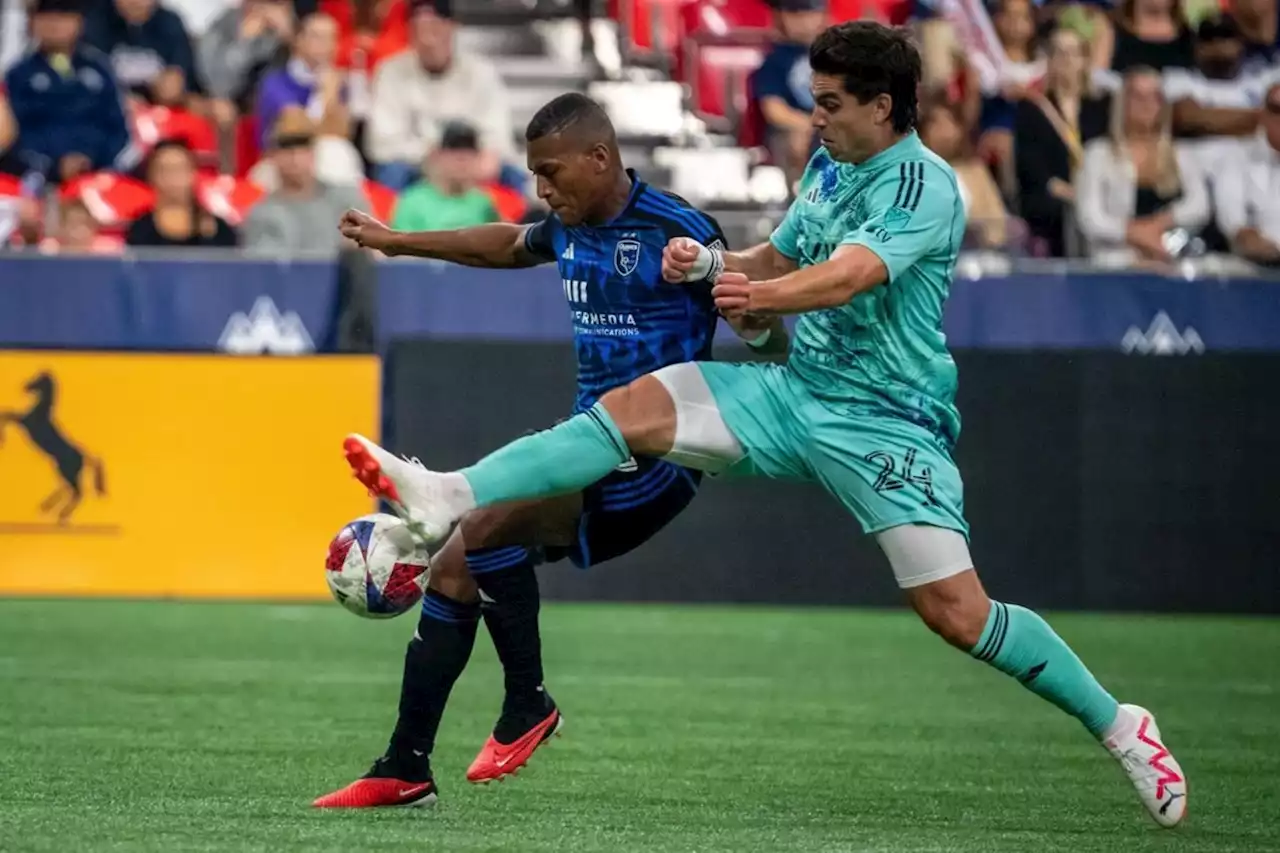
[(202, 476)]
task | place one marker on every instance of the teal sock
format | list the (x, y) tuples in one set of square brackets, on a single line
[(1019, 643), (566, 458)]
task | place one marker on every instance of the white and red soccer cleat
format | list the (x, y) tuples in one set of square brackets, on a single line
[(422, 498), (1162, 786)]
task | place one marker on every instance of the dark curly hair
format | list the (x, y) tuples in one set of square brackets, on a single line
[(873, 60)]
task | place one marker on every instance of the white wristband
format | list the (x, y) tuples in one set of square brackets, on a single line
[(708, 266), (757, 343)]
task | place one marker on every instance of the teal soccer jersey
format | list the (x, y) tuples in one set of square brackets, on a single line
[(886, 347), (866, 403)]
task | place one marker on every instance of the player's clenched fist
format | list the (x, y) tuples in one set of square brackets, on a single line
[(679, 258), (364, 230), (685, 259), (732, 293)]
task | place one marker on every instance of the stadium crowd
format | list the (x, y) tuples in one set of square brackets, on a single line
[(1131, 134)]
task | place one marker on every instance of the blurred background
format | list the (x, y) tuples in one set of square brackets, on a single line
[(172, 171)]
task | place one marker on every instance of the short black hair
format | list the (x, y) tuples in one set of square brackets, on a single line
[(1221, 28), (571, 111), (873, 60)]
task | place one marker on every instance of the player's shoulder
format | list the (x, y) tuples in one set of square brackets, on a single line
[(920, 177), (674, 216)]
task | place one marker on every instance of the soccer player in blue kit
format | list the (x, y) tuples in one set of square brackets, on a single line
[(607, 232), (863, 406)]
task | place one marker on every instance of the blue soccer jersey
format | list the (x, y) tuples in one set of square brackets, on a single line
[(627, 321)]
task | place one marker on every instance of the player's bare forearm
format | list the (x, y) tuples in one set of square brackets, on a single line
[(850, 271), (500, 246), (759, 263)]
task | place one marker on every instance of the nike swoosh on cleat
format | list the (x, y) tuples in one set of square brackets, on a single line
[(534, 733), (409, 791)]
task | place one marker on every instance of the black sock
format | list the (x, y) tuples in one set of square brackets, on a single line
[(436, 656), (509, 589)]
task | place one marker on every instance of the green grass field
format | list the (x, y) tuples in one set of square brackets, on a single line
[(167, 727)]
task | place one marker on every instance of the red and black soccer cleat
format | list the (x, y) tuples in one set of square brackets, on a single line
[(498, 760), (376, 789)]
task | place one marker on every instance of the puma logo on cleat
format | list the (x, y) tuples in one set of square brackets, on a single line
[(1165, 806)]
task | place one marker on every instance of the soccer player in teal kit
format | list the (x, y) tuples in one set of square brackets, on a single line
[(865, 405)]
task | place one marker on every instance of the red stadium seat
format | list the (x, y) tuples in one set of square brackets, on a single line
[(753, 130), (722, 17), (382, 200), (723, 68), (510, 204), (247, 151), (646, 24), (228, 197), (152, 124), (113, 200)]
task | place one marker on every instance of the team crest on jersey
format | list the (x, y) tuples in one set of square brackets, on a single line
[(626, 257), (896, 217)]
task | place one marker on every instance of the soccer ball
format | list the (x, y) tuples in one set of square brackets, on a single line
[(375, 569)]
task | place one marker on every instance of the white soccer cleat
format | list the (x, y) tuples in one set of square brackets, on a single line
[(1155, 773), (418, 496)]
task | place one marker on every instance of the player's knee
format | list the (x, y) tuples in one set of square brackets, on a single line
[(953, 611), (481, 528), (449, 574), (452, 579), (645, 415)]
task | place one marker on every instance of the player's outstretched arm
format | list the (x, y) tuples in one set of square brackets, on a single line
[(688, 260), (851, 270), (500, 245)]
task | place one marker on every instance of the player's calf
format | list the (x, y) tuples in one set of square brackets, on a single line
[(955, 608), (932, 565)]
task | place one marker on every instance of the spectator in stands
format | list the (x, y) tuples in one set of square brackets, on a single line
[(78, 233), (1216, 103), (237, 49), (1050, 129), (942, 130), (149, 49), (199, 15), (8, 133), (309, 80), (1145, 34), (417, 92), (369, 31), (449, 197), (64, 100), (1217, 100), (1248, 206), (177, 219), (301, 216), (1006, 81), (781, 84), (1259, 22), (337, 162), (1136, 186)]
